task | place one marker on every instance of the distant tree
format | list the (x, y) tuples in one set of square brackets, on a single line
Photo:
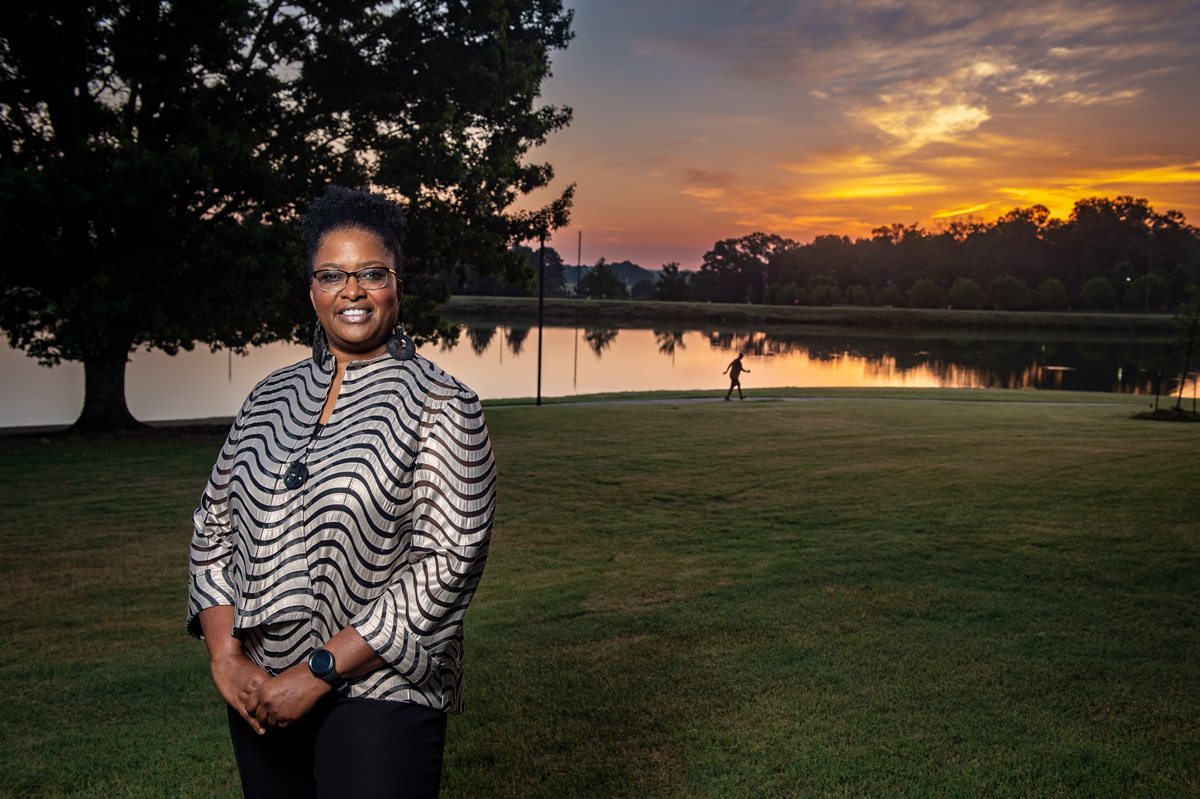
[(1008, 293), (1052, 295), (642, 290), (673, 285), (1015, 244), (1121, 238), (889, 296), (737, 270), (1098, 293), (788, 294), (600, 283), (555, 273), (858, 295), (153, 154), (824, 294), (926, 294), (966, 293), (828, 258), (1150, 293)]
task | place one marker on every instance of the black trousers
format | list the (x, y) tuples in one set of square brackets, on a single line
[(360, 748)]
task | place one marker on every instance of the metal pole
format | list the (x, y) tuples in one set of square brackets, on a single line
[(541, 303), (578, 267)]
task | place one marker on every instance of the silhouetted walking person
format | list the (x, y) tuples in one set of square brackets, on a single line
[(734, 370)]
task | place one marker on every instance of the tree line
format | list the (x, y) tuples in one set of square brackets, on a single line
[(1109, 254)]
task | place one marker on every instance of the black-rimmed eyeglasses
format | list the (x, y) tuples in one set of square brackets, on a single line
[(370, 278)]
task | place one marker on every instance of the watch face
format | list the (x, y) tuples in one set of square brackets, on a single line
[(321, 661)]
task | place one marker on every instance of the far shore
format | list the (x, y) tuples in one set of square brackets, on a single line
[(630, 312)]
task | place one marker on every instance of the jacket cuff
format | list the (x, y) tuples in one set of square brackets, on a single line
[(380, 625), (208, 589)]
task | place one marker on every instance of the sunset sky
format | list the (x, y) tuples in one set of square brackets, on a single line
[(697, 120)]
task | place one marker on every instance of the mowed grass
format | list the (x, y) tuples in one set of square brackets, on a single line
[(894, 598)]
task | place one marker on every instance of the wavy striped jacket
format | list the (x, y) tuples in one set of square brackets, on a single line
[(388, 533)]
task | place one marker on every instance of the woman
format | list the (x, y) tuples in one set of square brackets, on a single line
[(341, 535)]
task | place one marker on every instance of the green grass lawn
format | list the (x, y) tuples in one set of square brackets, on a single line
[(900, 598)]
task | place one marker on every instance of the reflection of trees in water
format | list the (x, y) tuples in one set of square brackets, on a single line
[(481, 338), (600, 338), (516, 339), (1085, 365), (669, 341), (982, 363), (449, 342)]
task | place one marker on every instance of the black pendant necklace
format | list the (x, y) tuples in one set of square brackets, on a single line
[(295, 475)]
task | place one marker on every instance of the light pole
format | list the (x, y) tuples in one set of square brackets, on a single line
[(541, 304)]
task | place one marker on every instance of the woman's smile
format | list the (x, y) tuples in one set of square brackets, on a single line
[(357, 321)]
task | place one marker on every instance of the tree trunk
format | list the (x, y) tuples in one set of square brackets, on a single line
[(104, 405)]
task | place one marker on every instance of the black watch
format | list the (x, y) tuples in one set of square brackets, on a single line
[(321, 664)]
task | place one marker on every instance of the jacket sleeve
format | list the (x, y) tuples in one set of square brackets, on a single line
[(212, 535), (453, 502)]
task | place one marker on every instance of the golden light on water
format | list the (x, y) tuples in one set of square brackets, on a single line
[(200, 384)]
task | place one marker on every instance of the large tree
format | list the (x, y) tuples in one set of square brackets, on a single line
[(738, 270), (153, 155)]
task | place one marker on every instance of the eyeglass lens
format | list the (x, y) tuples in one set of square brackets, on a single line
[(335, 279)]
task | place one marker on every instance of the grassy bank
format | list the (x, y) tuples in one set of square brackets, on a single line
[(558, 311), (760, 599)]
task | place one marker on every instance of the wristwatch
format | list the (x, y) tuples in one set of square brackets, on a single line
[(321, 664)]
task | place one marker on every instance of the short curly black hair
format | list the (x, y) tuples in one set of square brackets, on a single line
[(341, 209)]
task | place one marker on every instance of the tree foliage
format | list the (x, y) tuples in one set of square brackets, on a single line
[(601, 283), (1118, 241), (966, 293), (672, 284), (153, 154), (925, 293), (736, 270)]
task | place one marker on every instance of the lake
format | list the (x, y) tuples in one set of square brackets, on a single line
[(501, 362)]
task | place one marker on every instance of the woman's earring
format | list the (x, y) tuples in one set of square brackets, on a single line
[(400, 346), (320, 349)]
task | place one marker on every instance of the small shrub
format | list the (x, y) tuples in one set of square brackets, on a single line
[(1008, 293), (966, 293), (889, 295), (824, 295), (642, 290), (786, 294), (858, 295), (926, 294), (1098, 293), (1052, 295), (1136, 293)]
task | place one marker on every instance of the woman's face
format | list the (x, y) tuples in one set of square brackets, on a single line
[(357, 321)]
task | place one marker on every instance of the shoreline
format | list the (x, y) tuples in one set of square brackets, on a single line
[(876, 319)]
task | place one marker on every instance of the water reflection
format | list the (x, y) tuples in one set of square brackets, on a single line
[(600, 338), (669, 341), (1007, 362), (494, 360), (480, 338)]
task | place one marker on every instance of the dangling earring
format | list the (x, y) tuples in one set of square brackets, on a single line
[(320, 349), (400, 346)]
